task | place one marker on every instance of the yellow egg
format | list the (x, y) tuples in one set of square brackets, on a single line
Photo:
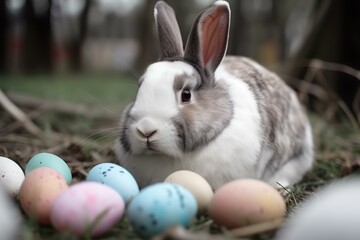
[(246, 202), (38, 192), (196, 184)]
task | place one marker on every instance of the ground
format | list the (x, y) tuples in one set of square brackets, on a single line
[(78, 119)]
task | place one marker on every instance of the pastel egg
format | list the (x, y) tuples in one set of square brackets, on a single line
[(52, 161), (116, 177), (10, 217), (87, 206), (38, 192), (11, 175), (246, 202), (159, 207), (196, 184)]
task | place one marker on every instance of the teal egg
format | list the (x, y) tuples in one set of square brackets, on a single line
[(115, 177), (51, 161), (160, 206)]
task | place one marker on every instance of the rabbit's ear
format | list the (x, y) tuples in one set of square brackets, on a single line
[(207, 43), (168, 30)]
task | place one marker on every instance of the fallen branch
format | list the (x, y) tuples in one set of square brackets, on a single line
[(255, 228), (61, 106), (19, 115)]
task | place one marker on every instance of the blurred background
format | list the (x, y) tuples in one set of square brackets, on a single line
[(56, 48)]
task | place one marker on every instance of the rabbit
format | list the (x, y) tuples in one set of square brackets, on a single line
[(224, 118)]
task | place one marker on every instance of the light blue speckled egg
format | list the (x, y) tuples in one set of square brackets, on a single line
[(116, 177), (160, 206), (52, 161)]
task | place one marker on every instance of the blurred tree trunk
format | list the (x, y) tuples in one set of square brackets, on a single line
[(75, 46), (38, 41), (146, 38), (334, 37), (3, 30), (237, 34)]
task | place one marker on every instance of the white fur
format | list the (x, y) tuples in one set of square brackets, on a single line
[(233, 154), (294, 169)]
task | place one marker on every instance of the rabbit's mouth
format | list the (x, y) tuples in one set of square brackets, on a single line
[(150, 146)]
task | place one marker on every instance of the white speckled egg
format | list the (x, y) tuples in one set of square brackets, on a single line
[(116, 177), (11, 175), (159, 207), (196, 184), (87, 206)]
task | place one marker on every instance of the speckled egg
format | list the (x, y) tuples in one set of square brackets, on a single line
[(116, 177), (245, 202), (196, 184), (87, 206), (49, 160), (11, 175), (38, 192), (160, 206)]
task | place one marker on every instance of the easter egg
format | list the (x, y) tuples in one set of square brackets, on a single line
[(49, 160), (332, 212), (10, 217), (38, 192), (196, 184), (246, 202), (11, 175), (160, 206), (116, 177), (87, 206)]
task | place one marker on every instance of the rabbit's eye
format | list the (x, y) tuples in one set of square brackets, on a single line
[(185, 96)]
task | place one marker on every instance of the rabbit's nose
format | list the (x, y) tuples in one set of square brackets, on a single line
[(145, 134), (146, 128)]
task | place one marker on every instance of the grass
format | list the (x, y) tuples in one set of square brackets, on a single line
[(108, 90), (337, 154)]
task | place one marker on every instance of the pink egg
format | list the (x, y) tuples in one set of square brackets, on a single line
[(87, 206), (38, 192)]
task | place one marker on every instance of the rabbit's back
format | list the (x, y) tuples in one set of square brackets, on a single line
[(286, 131)]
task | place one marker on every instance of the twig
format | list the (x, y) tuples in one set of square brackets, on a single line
[(288, 192), (336, 67), (338, 100), (179, 233), (356, 104), (305, 88), (255, 228), (61, 106), (317, 67), (19, 115)]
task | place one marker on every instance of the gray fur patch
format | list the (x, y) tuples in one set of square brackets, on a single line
[(202, 120), (124, 138), (283, 119), (185, 81)]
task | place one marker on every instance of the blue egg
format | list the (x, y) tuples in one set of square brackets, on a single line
[(52, 161), (160, 206), (115, 177)]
